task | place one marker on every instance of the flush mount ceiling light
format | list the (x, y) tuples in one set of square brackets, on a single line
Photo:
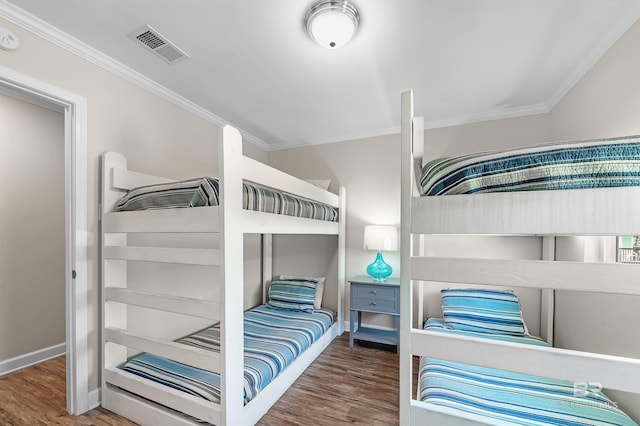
[(332, 23)]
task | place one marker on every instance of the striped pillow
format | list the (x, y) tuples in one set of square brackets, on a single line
[(482, 311), (317, 304), (295, 295)]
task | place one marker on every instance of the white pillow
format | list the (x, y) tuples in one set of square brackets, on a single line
[(317, 302)]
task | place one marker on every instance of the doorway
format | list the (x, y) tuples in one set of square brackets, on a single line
[(73, 107)]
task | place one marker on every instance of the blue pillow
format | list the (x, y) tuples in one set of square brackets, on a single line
[(296, 295), (483, 311)]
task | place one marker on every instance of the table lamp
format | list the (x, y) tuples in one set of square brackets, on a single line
[(380, 237)]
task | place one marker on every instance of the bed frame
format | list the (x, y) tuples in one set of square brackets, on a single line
[(544, 213), (132, 396)]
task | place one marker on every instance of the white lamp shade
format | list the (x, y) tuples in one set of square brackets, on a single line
[(332, 23), (380, 237), (332, 29)]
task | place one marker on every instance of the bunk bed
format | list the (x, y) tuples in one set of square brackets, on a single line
[(447, 352), (213, 364)]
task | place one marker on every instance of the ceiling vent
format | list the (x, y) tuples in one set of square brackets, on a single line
[(156, 43)]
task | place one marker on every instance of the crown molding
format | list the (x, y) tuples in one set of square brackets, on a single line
[(54, 35), (333, 139), (597, 52), (500, 114)]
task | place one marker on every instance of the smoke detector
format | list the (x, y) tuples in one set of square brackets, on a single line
[(153, 41), (8, 40)]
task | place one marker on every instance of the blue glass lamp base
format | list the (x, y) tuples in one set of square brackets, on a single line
[(379, 270)]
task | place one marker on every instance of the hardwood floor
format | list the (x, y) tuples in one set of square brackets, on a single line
[(36, 396), (343, 386)]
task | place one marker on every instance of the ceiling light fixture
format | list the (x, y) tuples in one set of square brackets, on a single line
[(332, 23)]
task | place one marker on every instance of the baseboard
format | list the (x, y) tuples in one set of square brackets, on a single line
[(94, 399), (36, 357)]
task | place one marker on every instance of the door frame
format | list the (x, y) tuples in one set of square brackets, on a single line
[(74, 108)]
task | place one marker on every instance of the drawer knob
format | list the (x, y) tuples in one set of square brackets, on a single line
[(373, 303), (374, 292)]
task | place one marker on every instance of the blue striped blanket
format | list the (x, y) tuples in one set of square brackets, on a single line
[(590, 164), (200, 192), (513, 397), (273, 338)]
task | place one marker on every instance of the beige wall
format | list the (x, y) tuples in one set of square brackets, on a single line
[(32, 271), (370, 170), (161, 138), (487, 136), (486, 247), (302, 255), (155, 135), (605, 103)]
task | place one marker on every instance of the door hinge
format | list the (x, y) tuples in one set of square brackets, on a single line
[(73, 274)]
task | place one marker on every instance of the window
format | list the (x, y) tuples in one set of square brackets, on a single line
[(628, 250)]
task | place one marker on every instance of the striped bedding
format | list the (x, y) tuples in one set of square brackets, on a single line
[(482, 310), (200, 192), (589, 164), (512, 397), (273, 338)]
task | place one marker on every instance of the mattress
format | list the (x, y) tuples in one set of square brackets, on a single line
[(589, 164), (273, 339), (513, 397), (204, 191)]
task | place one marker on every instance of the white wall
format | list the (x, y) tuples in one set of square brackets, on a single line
[(32, 272), (605, 103), (154, 134)]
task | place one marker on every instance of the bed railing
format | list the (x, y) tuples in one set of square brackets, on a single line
[(117, 297), (225, 224), (613, 372)]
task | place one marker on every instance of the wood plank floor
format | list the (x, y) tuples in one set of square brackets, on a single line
[(343, 386), (36, 396)]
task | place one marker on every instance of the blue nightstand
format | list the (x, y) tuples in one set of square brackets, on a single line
[(374, 297)]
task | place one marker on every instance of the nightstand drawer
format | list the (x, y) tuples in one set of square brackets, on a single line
[(375, 305), (371, 297), (375, 292)]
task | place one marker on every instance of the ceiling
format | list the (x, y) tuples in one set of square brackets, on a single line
[(252, 64)]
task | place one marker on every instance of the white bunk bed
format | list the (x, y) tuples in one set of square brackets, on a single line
[(147, 402), (604, 211)]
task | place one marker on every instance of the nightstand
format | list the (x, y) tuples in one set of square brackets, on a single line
[(374, 297)]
